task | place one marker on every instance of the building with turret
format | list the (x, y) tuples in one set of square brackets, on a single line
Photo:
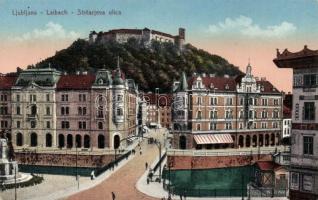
[(47, 111), (210, 112), (144, 36)]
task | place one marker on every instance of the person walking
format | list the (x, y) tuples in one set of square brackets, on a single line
[(146, 165), (113, 196)]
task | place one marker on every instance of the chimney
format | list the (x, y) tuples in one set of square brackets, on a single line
[(194, 74), (212, 75), (226, 76), (84, 72), (203, 74), (263, 79), (77, 72), (65, 73)]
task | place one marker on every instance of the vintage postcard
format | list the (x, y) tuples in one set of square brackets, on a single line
[(158, 99)]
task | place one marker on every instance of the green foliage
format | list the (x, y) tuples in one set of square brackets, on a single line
[(152, 67)]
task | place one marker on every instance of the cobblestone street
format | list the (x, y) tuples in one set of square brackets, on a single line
[(123, 182)]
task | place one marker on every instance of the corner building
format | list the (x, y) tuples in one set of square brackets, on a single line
[(304, 138), (225, 112), (55, 112)]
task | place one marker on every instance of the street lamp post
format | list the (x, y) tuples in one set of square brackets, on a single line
[(77, 178), (15, 182)]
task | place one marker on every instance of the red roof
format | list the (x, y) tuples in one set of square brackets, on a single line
[(76, 82), (267, 165), (219, 83), (6, 82), (268, 87), (229, 84)]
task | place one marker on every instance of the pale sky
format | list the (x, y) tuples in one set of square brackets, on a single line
[(238, 30)]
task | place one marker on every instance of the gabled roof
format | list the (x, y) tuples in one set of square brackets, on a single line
[(6, 82), (76, 82)]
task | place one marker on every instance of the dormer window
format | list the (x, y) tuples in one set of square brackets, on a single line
[(227, 86), (262, 88), (212, 85), (100, 82)]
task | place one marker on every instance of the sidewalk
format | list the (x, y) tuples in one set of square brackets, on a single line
[(155, 189), (46, 191)]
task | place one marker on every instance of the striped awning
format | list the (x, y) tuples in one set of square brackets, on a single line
[(213, 139)]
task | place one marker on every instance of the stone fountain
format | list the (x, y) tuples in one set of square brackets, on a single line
[(9, 172)]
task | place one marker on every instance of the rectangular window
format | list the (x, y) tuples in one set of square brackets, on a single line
[(18, 110), (47, 97), (48, 124), (308, 145), (198, 127), (212, 126), (309, 111), (65, 124), (18, 124), (18, 98), (48, 111), (33, 124), (229, 101), (309, 80), (64, 97), (84, 110)]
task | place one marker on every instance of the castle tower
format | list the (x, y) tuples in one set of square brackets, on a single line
[(181, 38)]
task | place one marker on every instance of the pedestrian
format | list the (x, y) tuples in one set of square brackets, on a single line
[(146, 165), (180, 196), (113, 196), (140, 152)]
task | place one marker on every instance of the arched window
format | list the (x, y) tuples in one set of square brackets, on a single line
[(182, 142), (87, 142), (254, 139), (61, 141), (272, 139), (34, 140), (241, 141), (100, 125), (69, 141), (78, 140), (116, 141), (266, 140), (48, 140), (19, 139), (101, 141), (248, 141), (260, 140)]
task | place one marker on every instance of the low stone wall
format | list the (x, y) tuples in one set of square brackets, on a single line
[(210, 162), (66, 160)]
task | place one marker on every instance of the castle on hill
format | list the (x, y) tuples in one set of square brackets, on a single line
[(145, 36)]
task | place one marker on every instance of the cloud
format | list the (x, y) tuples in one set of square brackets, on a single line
[(245, 26), (52, 31)]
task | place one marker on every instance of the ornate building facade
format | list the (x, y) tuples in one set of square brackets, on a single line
[(304, 138), (50, 111), (223, 112)]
